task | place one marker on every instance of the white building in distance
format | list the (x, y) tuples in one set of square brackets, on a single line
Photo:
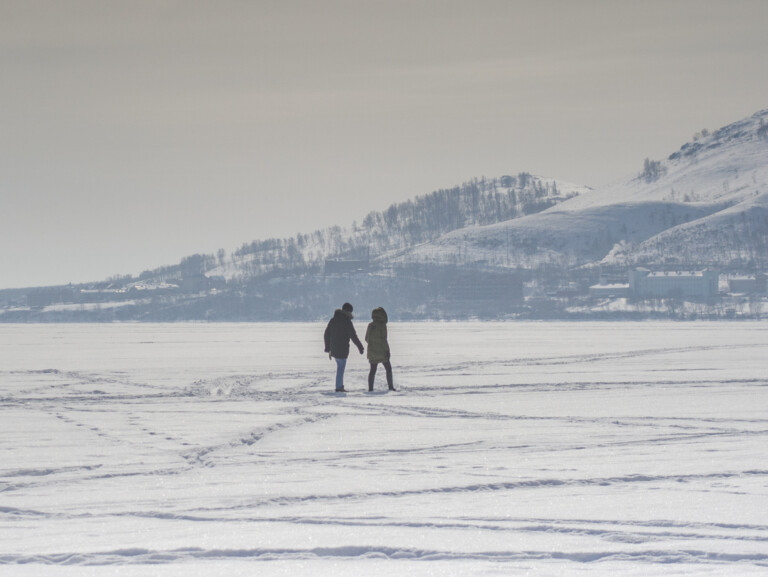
[(698, 284)]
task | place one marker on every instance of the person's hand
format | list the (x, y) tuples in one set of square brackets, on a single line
[(361, 349), (330, 356)]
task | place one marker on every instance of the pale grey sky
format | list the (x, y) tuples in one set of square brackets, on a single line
[(136, 132)]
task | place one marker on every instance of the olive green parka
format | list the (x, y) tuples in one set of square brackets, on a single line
[(376, 337)]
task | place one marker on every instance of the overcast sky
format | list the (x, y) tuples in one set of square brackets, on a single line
[(134, 133)]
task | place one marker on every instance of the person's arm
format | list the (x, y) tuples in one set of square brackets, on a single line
[(353, 336), (327, 337)]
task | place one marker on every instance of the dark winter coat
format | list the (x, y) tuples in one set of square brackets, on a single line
[(376, 337), (338, 334)]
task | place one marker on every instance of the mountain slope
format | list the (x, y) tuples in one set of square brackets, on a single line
[(732, 238), (383, 235), (567, 238), (728, 165), (473, 251), (704, 205)]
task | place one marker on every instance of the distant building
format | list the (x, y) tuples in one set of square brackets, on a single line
[(484, 287), (698, 284), (747, 284), (615, 290)]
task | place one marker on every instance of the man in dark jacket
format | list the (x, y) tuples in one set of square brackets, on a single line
[(337, 336)]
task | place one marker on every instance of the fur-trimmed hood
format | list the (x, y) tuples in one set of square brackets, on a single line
[(343, 313)]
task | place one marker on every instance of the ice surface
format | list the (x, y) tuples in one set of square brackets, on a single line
[(510, 449)]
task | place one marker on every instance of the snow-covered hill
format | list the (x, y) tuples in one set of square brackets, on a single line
[(472, 251), (383, 236), (564, 237), (728, 165), (707, 204)]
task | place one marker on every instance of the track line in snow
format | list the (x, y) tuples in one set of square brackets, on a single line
[(508, 486), (470, 367), (142, 556), (614, 531)]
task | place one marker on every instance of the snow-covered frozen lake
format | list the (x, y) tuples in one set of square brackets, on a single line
[(510, 449)]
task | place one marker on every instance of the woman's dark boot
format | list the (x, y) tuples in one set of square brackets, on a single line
[(388, 369)]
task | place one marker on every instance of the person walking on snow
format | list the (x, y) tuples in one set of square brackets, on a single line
[(378, 346), (337, 336)]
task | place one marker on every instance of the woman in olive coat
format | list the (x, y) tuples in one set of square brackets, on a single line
[(378, 347)]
